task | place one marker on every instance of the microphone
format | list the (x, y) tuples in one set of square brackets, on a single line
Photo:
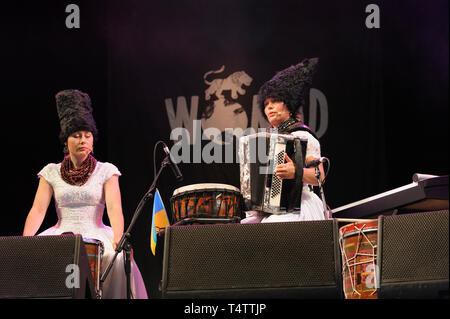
[(176, 171), (316, 162)]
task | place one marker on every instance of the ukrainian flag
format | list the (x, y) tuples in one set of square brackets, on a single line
[(159, 219)]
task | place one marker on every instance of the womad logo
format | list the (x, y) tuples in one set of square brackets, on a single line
[(225, 111)]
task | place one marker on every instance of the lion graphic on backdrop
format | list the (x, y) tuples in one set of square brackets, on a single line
[(233, 82), (225, 112)]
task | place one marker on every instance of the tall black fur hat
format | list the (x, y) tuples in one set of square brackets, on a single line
[(75, 113), (290, 85)]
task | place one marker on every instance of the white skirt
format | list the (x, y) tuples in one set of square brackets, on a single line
[(115, 285), (311, 209)]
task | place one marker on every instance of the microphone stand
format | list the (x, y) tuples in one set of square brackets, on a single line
[(124, 243), (322, 195)]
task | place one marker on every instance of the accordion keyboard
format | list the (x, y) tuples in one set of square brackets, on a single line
[(276, 188)]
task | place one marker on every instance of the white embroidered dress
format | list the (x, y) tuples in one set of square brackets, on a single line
[(80, 210), (311, 204)]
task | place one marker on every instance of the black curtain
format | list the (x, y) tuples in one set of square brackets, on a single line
[(379, 98)]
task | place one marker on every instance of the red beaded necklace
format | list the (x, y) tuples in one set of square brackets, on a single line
[(77, 176)]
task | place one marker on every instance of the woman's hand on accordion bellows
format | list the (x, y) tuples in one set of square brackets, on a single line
[(287, 170)]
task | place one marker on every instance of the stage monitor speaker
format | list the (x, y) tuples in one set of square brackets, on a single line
[(413, 255), (44, 267), (270, 260)]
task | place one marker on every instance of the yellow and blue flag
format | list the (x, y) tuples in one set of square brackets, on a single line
[(159, 220)]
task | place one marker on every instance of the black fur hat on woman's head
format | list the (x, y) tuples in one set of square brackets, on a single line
[(290, 85), (75, 113)]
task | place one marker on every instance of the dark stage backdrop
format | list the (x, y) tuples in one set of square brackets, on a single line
[(379, 101)]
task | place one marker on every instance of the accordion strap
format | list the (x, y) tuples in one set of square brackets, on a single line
[(292, 125), (299, 127), (295, 193)]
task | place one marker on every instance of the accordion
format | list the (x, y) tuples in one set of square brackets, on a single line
[(259, 155)]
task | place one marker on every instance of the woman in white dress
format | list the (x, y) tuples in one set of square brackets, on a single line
[(279, 99), (81, 187)]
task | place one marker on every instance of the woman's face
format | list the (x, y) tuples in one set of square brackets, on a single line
[(80, 143), (276, 111)]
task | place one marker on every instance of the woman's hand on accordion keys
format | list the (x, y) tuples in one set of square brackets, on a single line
[(286, 170)]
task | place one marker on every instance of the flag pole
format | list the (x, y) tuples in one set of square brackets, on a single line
[(124, 243)]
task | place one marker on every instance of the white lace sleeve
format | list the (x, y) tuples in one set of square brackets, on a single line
[(109, 170), (313, 148), (48, 172)]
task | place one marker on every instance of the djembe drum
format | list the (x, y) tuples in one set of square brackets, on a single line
[(206, 203), (358, 244)]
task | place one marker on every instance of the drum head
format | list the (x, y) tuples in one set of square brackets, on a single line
[(205, 187), (92, 241), (357, 228)]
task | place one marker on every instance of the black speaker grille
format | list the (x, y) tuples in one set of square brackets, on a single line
[(35, 267), (300, 254), (415, 247)]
